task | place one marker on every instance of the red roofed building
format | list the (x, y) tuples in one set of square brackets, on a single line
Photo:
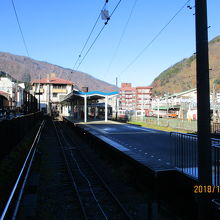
[(53, 80), (50, 91)]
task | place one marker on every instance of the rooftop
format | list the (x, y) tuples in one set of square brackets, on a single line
[(53, 81), (3, 93)]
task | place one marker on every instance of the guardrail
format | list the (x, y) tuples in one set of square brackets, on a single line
[(12, 205), (184, 155)]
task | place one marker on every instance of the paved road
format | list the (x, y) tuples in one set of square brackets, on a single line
[(152, 145)]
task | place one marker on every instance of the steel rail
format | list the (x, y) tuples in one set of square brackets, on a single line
[(26, 177), (87, 180), (106, 186), (71, 175), (33, 148), (90, 187), (101, 179)]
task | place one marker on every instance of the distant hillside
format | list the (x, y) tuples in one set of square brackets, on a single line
[(182, 75), (26, 69)]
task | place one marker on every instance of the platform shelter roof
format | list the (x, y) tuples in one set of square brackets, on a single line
[(74, 95)]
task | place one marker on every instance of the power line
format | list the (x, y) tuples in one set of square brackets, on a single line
[(122, 35), (91, 45), (154, 38), (90, 34), (115, 8), (99, 33), (16, 15)]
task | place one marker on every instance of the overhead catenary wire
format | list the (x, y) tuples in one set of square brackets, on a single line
[(115, 8), (91, 45), (22, 35), (153, 39), (96, 38), (90, 34), (122, 35)]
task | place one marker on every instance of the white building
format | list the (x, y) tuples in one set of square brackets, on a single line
[(184, 104), (50, 91), (178, 104), (12, 91), (8, 87)]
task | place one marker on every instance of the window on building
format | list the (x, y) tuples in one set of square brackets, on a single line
[(59, 86), (54, 95)]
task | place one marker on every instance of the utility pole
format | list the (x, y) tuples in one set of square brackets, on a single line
[(142, 107), (203, 105), (116, 106), (48, 96), (39, 93), (214, 102), (158, 111), (39, 98)]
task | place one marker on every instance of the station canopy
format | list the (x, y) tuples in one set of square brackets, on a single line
[(93, 95)]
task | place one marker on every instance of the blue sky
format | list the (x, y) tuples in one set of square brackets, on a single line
[(55, 31)]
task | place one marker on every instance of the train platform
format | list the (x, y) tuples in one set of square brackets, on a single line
[(148, 147)]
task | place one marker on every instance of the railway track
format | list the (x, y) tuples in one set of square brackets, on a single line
[(96, 199)]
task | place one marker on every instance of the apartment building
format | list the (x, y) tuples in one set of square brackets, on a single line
[(127, 98), (135, 98), (143, 97)]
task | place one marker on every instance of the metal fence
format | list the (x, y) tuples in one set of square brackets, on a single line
[(189, 125), (12, 131), (215, 127), (184, 155), (168, 122), (216, 162), (13, 202)]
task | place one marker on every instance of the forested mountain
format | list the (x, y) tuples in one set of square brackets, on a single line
[(182, 75), (177, 78), (26, 69)]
